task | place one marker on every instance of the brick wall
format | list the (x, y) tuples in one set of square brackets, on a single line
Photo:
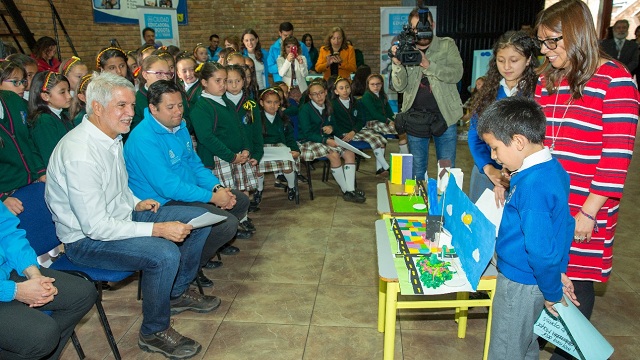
[(359, 18)]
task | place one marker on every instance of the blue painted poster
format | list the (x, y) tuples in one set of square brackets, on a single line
[(125, 11)]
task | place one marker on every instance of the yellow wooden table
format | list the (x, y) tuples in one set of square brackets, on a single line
[(389, 288)]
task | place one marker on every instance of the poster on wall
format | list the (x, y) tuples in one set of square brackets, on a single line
[(124, 11), (163, 21), (392, 19)]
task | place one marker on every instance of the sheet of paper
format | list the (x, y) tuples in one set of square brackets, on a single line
[(272, 153), (487, 205), (349, 147), (573, 332), (206, 219)]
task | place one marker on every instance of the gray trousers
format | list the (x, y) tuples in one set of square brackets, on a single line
[(516, 308)]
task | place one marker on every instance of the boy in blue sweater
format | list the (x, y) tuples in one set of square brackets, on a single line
[(536, 229)]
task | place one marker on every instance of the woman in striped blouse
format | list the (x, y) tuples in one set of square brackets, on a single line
[(591, 104)]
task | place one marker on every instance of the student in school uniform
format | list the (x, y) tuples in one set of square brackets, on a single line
[(48, 120), (316, 140), (223, 145), (349, 117), (277, 131)]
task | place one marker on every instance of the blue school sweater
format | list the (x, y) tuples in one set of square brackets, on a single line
[(164, 166), (480, 151), (537, 229)]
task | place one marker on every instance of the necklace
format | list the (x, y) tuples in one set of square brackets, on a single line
[(554, 132)]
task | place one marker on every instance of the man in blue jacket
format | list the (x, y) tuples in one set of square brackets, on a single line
[(163, 165), (26, 290), (285, 30)]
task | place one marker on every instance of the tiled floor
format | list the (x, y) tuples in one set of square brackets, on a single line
[(305, 287)]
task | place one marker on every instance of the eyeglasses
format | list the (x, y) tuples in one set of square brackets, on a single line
[(161, 74), (17, 83), (551, 43), (375, 84), (316, 94)]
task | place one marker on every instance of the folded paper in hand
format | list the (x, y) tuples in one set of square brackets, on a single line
[(206, 219)]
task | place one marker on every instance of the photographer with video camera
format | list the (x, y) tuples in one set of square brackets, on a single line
[(426, 69)]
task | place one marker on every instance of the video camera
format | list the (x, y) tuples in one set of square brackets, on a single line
[(407, 52)]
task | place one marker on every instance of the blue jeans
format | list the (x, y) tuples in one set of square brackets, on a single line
[(168, 267), (445, 149)]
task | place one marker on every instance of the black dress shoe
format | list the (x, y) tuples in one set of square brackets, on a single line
[(257, 197), (204, 280), (247, 225), (302, 178), (229, 250), (213, 264), (280, 185), (291, 194), (243, 234), (253, 207), (281, 178)]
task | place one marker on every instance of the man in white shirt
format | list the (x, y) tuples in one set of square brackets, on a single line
[(103, 225)]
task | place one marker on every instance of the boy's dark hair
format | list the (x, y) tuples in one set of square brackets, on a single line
[(511, 116), (213, 36), (285, 26), (160, 87), (147, 29)]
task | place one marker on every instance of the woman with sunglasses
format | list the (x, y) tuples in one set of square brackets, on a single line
[(591, 104)]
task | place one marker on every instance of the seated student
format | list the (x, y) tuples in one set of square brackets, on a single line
[(13, 77), (277, 131), (379, 113), (536, 230), (48, 119), (103, 225), (200, 54), (223, 144), (163, 166), (186, 72), (29, 65), (73, 69), (316, 140), (349, 116), (26, 290), (21, 162), (153, 68), (251, 83), (44, 52), (78, 110), (115, 61)]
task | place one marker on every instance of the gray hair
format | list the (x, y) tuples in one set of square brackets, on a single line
[(101, 88)]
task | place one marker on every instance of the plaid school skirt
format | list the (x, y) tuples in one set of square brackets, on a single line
[(278, 165), (235, 176), (371, 137), (380, 127), (310, 150)]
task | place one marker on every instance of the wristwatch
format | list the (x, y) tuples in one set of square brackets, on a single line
[(217, 187)]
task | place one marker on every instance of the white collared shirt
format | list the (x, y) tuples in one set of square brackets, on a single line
[(87, 188), (215, 98), (235, 99), (509, 92), (189, 86), (270, 117), (536, 158)]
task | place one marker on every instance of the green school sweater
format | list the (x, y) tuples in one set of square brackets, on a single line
[(347, 120), (78, 119), (218, 130), (311, 122), (21, 162), (278, 133), (46, 132), (376, 109), (252, 127)]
